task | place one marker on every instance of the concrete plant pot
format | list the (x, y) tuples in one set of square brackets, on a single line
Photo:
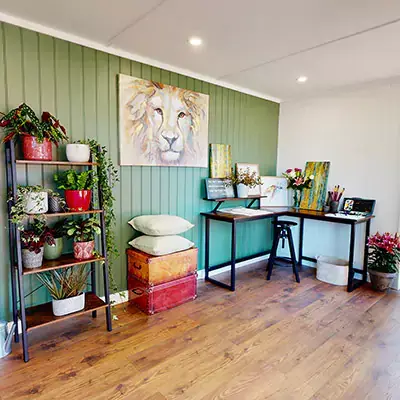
[(68, 305), (381, 281), (36, 203), (242, 191), (77, 152), (30, 259), (52, 252), (55, 205)]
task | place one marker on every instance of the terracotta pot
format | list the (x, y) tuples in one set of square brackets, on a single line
[(33, 150), (83, 250), (78, 200), (381, 281)]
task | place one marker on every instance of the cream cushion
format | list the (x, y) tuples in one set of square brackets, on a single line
[(161, 245), (160, 225)]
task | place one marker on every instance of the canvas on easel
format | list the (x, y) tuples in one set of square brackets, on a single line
[(314, 198)]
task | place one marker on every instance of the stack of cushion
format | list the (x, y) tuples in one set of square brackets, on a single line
[(160, 234)]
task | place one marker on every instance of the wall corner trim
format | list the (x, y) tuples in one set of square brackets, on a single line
[(23, 23)]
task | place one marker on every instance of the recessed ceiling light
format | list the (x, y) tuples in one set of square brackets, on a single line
[(302, 79), (195, 41)]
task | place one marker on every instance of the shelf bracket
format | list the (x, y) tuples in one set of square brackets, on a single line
[(251, 203), (217, 206)]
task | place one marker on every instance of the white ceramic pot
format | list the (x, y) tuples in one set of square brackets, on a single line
[(69, 305), (36, 203), (242, 190), (77, 152)]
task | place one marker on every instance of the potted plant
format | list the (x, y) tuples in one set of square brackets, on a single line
[(32, 242), (298, 181), (243, 179), (54, 240), (56, 202), (383, 258), (77, 188), (78, 152), (83, 231), (37, 136), (66, 289)]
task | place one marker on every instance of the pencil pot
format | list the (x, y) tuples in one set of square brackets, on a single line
[(334, 206)]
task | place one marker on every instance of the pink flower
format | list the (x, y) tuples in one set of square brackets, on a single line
[(288, 171), (297, 169)]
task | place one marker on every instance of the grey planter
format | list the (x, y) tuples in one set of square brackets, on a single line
[(381, 281), (54, 205), (30, 259)]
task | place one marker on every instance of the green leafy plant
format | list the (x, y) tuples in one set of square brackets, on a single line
[(23, 121), (107, 176), (66, 283), (83, 230), (244, 177), (18, 209), (58, 230), (72, 180)]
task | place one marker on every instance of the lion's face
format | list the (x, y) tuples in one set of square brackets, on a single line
[(170, 121)]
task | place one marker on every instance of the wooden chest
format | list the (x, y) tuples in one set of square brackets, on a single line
[(153, 299), (154, 270)]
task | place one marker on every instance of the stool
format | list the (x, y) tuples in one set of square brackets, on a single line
[(282, 230)]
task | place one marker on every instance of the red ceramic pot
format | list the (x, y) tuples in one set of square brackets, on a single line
[(83, 250), (78, 200), (33, 150)]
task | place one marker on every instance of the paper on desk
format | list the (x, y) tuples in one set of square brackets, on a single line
[(249, 212), (348, 216)]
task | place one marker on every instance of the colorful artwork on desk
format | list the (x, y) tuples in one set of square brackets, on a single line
[(162, 125), (220, 160), (275, 190), (252, 168), (314, 198)]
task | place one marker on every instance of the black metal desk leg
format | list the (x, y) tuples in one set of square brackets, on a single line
[(350, 286), (93, 283), (301, 237), (207, 250), (365, 266), (233, 257)]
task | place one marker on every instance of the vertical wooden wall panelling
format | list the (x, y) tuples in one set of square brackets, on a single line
[(79, 85)]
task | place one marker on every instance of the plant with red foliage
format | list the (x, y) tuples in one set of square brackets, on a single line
[(23, 121), (34, 238), (384, 252)]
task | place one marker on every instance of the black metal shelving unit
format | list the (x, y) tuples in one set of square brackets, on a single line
[(41, 315)]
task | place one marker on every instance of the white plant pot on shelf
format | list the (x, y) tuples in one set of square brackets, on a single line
[(77, 152), (69, 305), (242, 190), (37, 203)]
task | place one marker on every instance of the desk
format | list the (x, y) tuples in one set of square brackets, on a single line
[(276, 212)]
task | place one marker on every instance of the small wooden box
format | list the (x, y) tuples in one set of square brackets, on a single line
[(153, 299), (154, 270)]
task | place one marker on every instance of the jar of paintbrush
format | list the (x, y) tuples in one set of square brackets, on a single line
[(334, 198)]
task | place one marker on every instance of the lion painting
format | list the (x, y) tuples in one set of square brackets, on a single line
[(162, 125)]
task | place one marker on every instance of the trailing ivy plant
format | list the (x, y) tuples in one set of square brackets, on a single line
[(107, 176)]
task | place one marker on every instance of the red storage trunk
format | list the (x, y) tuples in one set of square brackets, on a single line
[(153, 299)]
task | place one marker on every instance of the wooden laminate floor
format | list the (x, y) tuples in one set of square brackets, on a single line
[(268, 340)]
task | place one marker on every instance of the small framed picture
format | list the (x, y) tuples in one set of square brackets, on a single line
[(217, 189), (256, 191), (274, 188)]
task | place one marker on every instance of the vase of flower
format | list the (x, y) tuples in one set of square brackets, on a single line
[(298, 181), (244, 181), (383, 259)]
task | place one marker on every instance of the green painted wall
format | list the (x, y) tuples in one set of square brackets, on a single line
[(79, 85)]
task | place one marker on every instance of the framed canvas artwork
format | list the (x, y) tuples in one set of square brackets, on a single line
[(314, 198), (216, 189), (275, 190), (161, 125), (252, 168), (220, 160)]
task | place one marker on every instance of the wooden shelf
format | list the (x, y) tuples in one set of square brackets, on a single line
[(65, 163), (43, 314), (236, 198), (66, 214), (65, 261)]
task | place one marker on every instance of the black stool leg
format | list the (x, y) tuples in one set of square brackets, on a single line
[(293, 254), (273, 253)]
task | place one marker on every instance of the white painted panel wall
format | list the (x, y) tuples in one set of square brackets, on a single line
[(359, 132)]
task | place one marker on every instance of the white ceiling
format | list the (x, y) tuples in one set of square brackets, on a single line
[(258, 45)]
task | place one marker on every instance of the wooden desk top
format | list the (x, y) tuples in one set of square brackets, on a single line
[(281, 211)]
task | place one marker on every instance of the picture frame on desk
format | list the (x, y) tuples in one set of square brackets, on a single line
[(275, 190), (256, 191), (217, 189)]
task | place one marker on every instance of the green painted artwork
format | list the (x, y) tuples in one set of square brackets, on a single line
[(220, 160)]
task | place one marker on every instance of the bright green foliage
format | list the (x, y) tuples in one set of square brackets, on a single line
[(83, 230), (72, 180)]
